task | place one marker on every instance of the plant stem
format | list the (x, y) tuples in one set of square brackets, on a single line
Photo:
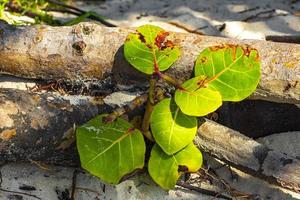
[(138, 101), (152, 91), (149, 109), (170, 79), (146, 121), (159, 94)]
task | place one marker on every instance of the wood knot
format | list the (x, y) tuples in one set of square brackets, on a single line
[(79, 47), (37, 39), (87, 30)]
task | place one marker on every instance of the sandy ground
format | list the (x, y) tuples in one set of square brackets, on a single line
[(248, 19), (251, 19)]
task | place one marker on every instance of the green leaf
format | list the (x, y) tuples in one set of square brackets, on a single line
[(172, 129), (195, 99), (110, 151), (232, 70), (164, 169), (149, 50)]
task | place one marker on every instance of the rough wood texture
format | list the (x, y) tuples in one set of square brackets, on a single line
[(284, 38), (259, 118), (89, 51), (39, 127), (248, 155)]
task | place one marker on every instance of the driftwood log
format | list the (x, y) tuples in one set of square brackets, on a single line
[(248, 155), (284, 38), (258, 118), (39, 127), (89, 51)]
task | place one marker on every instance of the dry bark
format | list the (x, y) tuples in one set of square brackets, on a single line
[(248, 155), (259, 118), (284, 38), (39, 127), (89, 51)]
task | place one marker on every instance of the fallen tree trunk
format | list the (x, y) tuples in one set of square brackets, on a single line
[(259, 118), (89, 51), (284, 38), (248, 155), (40, 127)]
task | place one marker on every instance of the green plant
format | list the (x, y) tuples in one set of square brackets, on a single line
[(11, 10), (110, 148), (38, 11)]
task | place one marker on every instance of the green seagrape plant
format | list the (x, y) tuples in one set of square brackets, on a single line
[(110, 148)]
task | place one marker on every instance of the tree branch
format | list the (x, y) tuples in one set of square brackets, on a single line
[(248, 155), (88, 51)]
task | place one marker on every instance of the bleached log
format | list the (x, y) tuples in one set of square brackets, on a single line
[(248, 155), (40, 126), (89, 51)]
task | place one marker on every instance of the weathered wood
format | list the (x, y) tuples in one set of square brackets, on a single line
[(248, 155), (284, 38), (39, 127), (259, 118), (89, 51)]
